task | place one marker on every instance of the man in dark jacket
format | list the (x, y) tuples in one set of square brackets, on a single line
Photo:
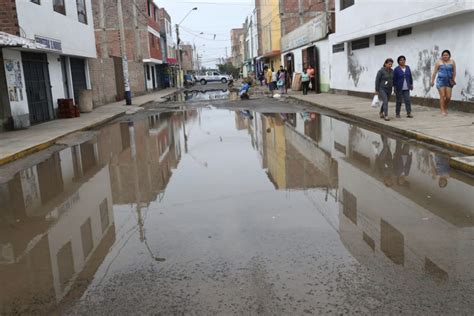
[(403, 83)]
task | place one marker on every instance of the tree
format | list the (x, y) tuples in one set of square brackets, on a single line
[(228, 68)]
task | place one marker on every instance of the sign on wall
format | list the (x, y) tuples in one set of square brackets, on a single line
[(312, 31), (14, 79), (49, 43)]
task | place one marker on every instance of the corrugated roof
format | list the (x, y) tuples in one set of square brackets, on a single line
[(9, 40)]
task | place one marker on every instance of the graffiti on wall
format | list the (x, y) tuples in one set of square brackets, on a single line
[(354, 69), (468, 91), (426, 61), (14, 79)]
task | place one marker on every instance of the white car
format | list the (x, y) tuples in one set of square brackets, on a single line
[(213, 76)]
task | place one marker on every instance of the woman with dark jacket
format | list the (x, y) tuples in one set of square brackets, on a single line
[(403, 83), (383, 86)]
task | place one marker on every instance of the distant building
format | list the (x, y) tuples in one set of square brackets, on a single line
[(236, 38), (269, 32), (187, 60), (42, 59), (250, 43), (168, 49)]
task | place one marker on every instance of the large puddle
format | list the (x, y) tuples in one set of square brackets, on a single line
[(213, 211)]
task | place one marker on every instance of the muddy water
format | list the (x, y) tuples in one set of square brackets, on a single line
[(211, 211)]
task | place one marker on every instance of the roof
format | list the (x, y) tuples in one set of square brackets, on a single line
[(9, 40)]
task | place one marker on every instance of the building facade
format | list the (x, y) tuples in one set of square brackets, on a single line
[(250, 44), (168, 50), (187, 58), (236, 36), (269, 32), (141, 22), (421, 31), (42, 60), (305, 26)]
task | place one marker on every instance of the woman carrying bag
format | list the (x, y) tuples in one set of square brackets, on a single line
[(383, 86)]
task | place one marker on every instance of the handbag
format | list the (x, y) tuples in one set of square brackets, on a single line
[(280, 83)]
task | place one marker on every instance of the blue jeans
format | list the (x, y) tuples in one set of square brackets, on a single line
[(384, 95), (405, 94)]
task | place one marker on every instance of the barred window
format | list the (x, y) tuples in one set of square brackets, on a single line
[(360, 43), (338, 48), (380, 39), (404, 32)]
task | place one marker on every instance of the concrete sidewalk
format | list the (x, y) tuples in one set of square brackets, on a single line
[(17, 144), (455, 131)]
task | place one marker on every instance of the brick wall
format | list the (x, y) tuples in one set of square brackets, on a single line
[(8, 17), (297, 12)]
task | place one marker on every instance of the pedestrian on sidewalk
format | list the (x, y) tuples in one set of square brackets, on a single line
[(282, 81), (402, 83), (402, 160), (312, 77), (305, 81), (274, 79), (383, 86), (445, 71), (268, 79), (261, 77)]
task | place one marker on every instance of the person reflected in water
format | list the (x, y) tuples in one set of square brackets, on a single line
[(402, 160), (439, 165), (384, 163)]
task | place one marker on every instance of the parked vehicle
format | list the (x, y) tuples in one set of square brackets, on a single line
[(213, 76)]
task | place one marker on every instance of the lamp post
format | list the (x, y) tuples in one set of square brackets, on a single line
[(180, 81)]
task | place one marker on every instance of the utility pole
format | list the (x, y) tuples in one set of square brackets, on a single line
[(123, 51), (178, 52)]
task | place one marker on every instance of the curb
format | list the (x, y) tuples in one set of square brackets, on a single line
[(49, 143), (466, 150)]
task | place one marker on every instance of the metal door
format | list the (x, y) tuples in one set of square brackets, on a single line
[(119, 79), (78, 73), (38, 87)]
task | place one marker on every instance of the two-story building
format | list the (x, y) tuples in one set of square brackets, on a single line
[(42, 58), (368, 32), (168, 50), (250, 43), (269, 32)]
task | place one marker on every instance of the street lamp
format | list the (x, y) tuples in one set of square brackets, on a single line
[(179, 51)]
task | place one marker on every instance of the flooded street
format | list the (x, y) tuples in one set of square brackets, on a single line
[(210, 210)]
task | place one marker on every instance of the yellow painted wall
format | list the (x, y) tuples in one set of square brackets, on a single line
[(271, 27)]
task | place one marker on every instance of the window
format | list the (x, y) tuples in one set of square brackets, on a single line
[(81, 11), (86, 237), (104, 215), (58, 6), (147, 72), (36, 1), (346, 4), (149, 7), (349, 206), (338, 48), (360, 43), (380, 39), (392, 243), (404, 32)]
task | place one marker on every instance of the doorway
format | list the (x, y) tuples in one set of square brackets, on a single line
[(78, 73), (38, 87), (153, 78), (311, 57), (290, 67)]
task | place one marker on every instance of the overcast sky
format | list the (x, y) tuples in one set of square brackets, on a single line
[(212, 17)]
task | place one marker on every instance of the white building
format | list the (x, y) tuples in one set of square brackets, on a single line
[(368, 32), (49, 61), (250, 43), (308, 45)]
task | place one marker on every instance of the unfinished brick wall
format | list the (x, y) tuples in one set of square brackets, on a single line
[(295, 13), (8, 17)]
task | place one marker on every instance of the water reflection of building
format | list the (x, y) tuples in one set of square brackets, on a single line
[(414, 224), (141, 172), (291, 152), (56, 223)]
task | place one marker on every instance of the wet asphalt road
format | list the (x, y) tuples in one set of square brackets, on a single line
[(212, 211)]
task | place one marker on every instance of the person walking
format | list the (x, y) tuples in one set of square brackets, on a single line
[(403, 83), (282, 81), (383, 86), (312, 77), (305, 81), (445, 71), (274, 79), (268, 79)]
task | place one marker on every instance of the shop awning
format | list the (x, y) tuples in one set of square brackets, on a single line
[(9, 40)]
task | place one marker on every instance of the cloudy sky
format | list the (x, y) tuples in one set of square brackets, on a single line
[(212, 17)]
